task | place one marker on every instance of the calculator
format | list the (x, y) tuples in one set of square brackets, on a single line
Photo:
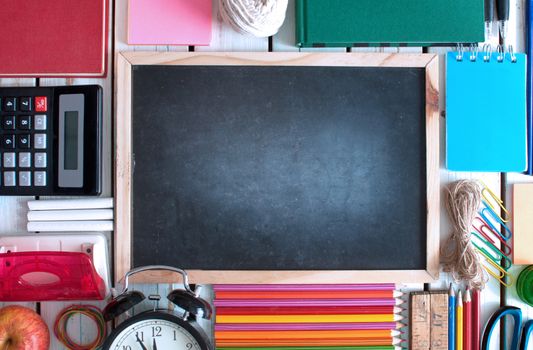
[(51, 140)]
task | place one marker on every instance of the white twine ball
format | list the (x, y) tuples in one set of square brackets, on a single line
[(260, 18)]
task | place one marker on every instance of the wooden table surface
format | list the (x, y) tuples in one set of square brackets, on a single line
[(13, 210)]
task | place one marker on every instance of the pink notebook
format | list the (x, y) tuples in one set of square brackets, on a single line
[(169, 22)]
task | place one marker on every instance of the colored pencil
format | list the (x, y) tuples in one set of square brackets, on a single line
[(388, 341), (299, 287), (451, 319), (377, 347), (307, 326), (308, 294), (459, 323), (467, 322), (307, 310), (308, 302), (306, 318), (285, 335), (476, 312)]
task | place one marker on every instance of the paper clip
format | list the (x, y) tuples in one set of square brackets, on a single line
[(495, 198), (484, 230), (495, 254), (498, 220), (499, 276)]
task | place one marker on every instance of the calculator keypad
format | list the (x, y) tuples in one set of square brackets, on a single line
[(24, 141)]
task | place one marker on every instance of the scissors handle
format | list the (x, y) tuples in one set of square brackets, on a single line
[(516, 313), (528, 329)]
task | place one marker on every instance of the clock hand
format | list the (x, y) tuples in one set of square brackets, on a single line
[(154, 347), (140, 342)]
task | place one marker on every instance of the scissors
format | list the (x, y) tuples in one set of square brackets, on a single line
[(518, 342)]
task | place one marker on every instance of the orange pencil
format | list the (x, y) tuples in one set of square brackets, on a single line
[(467, 322)]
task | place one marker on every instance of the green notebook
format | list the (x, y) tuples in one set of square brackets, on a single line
[(388, 22)]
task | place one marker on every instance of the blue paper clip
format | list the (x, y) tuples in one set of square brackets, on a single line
[(496, 218)]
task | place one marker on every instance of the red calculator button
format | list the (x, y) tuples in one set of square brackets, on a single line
[(40, 103)]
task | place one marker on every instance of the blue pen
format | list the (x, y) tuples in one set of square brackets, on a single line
[(451, 319)]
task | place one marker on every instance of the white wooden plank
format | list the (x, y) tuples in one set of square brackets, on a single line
[(516, 34)]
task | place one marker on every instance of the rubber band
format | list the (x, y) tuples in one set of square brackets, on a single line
[(93, 313)]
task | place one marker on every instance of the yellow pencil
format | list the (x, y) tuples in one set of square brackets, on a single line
[(459, 323)]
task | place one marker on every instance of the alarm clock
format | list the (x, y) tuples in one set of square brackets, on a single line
[(158, 328)]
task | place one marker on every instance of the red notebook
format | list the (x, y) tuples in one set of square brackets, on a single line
[(53, 38)]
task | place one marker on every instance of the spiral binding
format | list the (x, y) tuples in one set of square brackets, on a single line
[(486, 53)]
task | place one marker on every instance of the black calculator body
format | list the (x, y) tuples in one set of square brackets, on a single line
[(51, 140)]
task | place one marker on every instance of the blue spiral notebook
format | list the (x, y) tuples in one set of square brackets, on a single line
[(486, 112)]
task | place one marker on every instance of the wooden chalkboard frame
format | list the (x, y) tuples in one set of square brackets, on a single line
[(123, 165)]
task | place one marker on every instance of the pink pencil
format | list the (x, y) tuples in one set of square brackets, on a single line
[(307, 302), (307, 326), (305, 287)]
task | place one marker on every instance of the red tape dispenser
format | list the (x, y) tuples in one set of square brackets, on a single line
[(46, 276)]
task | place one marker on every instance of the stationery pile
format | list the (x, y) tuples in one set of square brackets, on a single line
[(317, 316), (70, 215)]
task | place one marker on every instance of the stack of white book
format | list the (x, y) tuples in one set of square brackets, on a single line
[(60, 215)]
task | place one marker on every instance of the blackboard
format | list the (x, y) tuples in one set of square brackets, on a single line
[(272, 168)]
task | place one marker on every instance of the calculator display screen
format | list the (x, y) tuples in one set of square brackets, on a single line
[(71, 140)]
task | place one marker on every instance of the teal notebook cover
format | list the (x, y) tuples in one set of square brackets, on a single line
[(486, 113), (388, 22)]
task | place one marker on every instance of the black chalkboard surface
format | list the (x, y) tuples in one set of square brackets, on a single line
[(248, 167)]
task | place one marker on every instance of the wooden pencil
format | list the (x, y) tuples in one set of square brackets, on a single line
[(476, 312), (308, 310), (307, 318), (376, 347), (307, 326), (307, 302), (287, 335), (451, 319), (387, 341), (307, 294), (459, 323), (467, 322), (300, 287)]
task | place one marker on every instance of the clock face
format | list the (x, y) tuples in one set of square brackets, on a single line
[(156, 333)]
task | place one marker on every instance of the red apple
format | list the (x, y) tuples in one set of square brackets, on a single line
[(21, 328)]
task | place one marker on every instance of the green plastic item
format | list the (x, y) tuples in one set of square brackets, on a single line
[(346, 23), (524, 285)]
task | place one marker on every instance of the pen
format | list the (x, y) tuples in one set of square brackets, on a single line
[(503, 16), (489, 17)]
